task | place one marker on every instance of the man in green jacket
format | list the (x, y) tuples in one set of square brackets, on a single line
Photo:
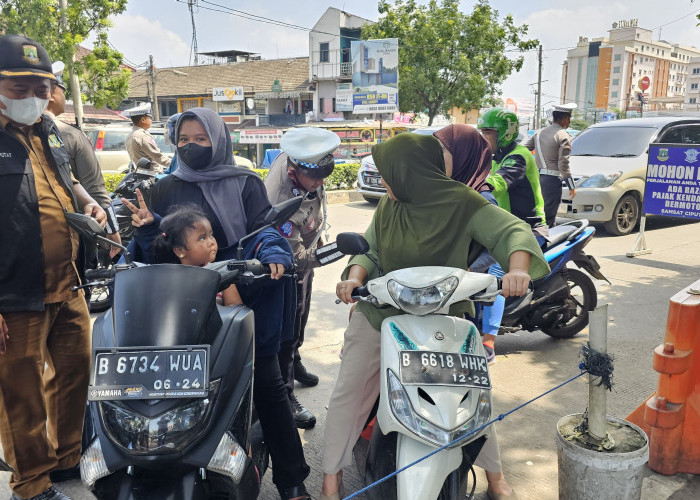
[(514, 178)]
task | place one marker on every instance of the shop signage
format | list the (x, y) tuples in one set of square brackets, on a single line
[(673, 181), (228, 94), (375, 75), (261, 136), (624, 23), (290, 94), (276, 87), (343, 97)]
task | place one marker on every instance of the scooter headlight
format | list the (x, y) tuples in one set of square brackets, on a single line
[(169, 432), (92, 464), (401, 407), (422, 301)]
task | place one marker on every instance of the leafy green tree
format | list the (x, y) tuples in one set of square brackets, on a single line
[(103, 82), (448, 58), (578, 124)]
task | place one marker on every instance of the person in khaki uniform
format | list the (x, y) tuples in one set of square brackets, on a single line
[(552, 146), (141, 144), (44, 323), (307, 159)]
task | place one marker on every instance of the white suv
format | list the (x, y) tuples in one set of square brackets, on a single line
[(608, 163)]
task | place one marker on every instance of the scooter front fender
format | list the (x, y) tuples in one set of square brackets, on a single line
[(425, 479)]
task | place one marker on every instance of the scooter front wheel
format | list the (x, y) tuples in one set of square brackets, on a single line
[(582, 299)]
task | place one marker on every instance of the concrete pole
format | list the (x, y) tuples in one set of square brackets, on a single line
[(597, 396), (74, 81), (151, 70), (538, 116)]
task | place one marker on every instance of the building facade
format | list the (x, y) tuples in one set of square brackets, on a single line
[(692, 94), (626, 70)]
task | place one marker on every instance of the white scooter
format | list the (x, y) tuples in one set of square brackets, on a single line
[(435, 385)]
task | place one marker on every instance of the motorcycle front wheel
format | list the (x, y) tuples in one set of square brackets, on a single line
[(582, 299)]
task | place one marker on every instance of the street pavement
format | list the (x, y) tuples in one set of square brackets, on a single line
[(527, 363)]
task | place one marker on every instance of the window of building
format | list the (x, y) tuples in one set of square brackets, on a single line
[(696, 71), (613, 94), (618, 57), (693, 86), (616, 81), (616, 69), (324, 52), (693, 100)]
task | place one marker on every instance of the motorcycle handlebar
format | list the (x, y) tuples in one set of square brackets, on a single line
[(99, 274)]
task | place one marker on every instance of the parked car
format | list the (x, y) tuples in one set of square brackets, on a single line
[(608, 164), (109, 142), (369, 182)]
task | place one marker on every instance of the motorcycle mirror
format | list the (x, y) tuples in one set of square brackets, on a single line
[(283, 211), (352, 244), (86, 226), (144, 163)]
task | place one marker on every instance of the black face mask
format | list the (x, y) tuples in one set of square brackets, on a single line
[(195, 156)]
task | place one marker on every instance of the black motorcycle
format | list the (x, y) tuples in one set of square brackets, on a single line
[(170, 412), (139, 176)]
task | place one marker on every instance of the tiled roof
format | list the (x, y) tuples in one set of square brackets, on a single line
[(253, 76), (91, 115)]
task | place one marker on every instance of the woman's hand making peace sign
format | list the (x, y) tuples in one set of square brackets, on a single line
[(141, 215)]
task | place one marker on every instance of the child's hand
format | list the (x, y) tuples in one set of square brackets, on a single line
[(276, 271)]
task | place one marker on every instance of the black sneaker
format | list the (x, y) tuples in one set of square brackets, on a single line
[(302, 376), (490, 354), (61, 475), (50, 494), (302, 417)]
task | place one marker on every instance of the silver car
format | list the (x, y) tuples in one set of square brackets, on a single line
[(608, 163)]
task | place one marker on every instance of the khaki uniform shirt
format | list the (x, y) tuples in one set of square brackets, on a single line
[(306, 224), (60, 243), (83, 162), (141, 144), (555, 142)]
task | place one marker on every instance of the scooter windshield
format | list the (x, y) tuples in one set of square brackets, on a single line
[(163, 304)]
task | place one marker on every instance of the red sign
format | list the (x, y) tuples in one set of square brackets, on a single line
[(644, 83)]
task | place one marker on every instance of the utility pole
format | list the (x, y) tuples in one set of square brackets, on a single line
[(154, 104), (191, 4), (539, 88), (74, 81)]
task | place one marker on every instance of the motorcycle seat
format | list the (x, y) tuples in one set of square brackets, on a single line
[(557, 234)]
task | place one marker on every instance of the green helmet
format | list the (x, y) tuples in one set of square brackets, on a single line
[(502, 120)]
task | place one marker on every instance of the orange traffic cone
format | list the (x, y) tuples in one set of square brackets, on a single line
[(671, 416)]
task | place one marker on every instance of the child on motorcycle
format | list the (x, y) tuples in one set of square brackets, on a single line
[(187, 238)]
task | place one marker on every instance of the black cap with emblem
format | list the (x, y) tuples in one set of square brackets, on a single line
[(21, 56)]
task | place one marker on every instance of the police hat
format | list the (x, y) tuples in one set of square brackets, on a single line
[(21, 56), (57, 69), (140, 110), (566, 108), (311, 150)]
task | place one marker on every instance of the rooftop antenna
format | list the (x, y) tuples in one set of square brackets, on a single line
[(193, 47)]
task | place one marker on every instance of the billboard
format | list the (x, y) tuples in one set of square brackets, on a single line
[(227, 94), (343, 97), (375, 75), (673, 181)]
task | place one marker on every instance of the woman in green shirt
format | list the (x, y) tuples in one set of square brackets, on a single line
[(427, 219)]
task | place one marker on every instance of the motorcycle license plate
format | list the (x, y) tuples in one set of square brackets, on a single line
[(444, 368), (150, 373)]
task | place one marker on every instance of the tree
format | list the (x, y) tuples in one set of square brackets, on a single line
[(448, 58), (578, 124), (103, 82)]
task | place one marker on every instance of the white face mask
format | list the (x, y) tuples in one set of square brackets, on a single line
[(25, 111)]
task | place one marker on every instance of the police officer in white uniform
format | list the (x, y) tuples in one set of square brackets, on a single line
[(552, 146), (306, 160), (141, 144)]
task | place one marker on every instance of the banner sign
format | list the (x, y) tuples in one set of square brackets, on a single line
[(375, 75), (227, 94), (260, 136), (673, 181), (343, 97)]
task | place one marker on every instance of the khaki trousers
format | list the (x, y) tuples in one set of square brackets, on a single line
[(43, 390), (355, 393)]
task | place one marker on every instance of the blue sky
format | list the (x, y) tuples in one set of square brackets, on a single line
[(163, 28)]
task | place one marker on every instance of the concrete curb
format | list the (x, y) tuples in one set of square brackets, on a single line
[(343, 196)]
